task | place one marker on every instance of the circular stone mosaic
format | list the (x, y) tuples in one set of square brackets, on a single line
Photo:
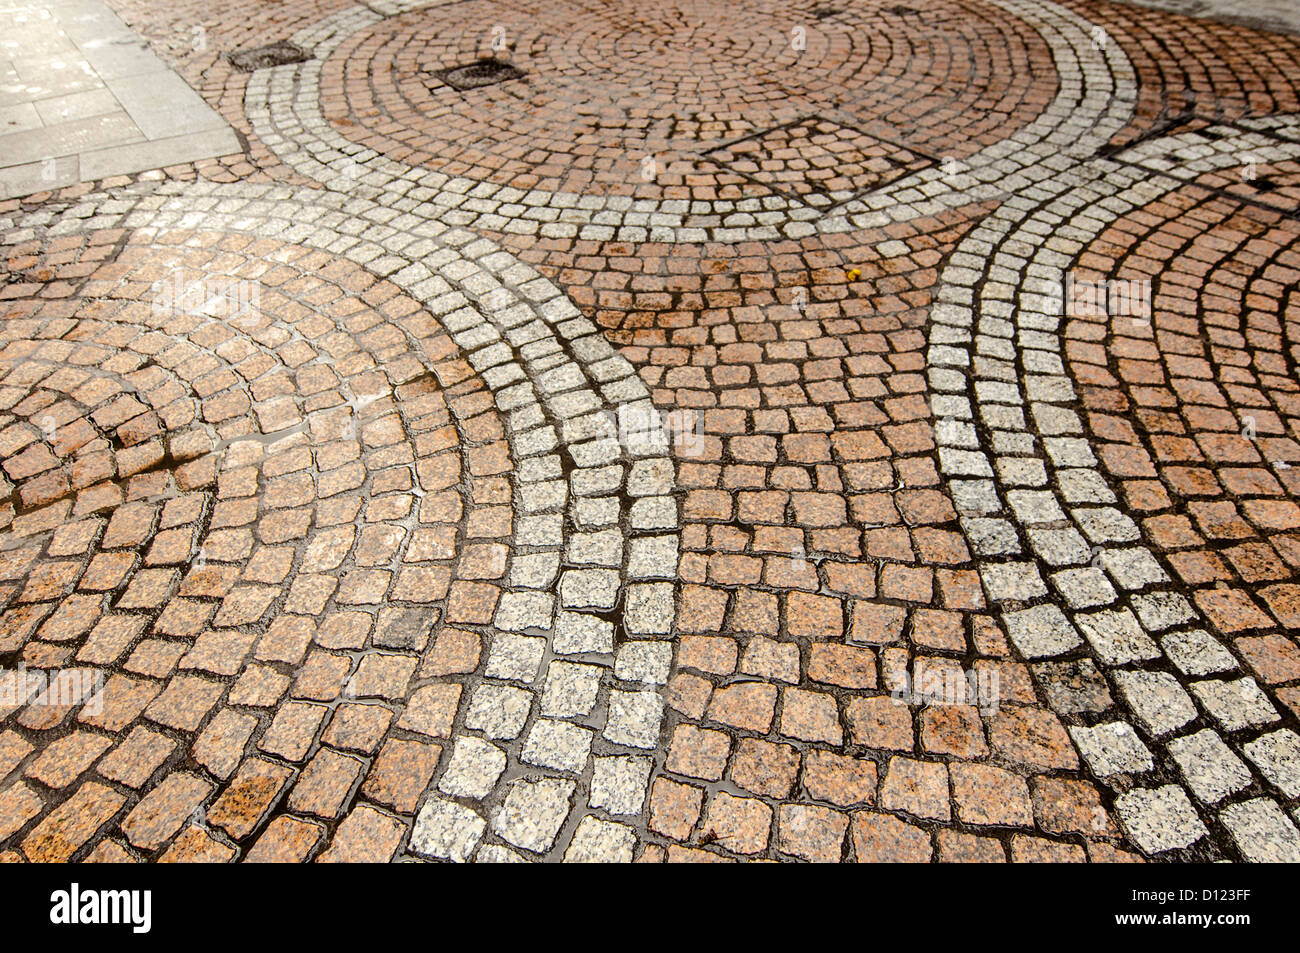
[(257, 491), (648, 101), (1196, 413)]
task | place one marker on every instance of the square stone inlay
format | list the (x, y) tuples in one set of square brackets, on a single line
[(817, 161)]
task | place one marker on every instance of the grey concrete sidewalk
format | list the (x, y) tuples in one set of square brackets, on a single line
[(1276, 15), (83, 97)]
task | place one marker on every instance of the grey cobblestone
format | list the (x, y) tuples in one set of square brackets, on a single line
[(1212, 771), (1160, 819), (1264, 834)]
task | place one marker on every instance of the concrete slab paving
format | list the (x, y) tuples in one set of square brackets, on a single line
[(1282, 15), (83, 96)]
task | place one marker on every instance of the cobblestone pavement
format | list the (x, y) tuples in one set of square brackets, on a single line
[(785, 430)]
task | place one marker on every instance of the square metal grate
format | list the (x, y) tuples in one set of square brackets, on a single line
[(478, 74), (817, 161), (263, 57)]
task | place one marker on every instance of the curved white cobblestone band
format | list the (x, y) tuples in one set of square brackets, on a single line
[(1033, 515), (1094, 79), (574, 776)]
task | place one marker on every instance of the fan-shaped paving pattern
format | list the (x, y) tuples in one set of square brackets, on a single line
[(1119, 625), (1196, 414), (280, 535)]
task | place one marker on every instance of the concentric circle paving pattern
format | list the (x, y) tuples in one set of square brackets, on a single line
[(1196, 414), (604, 88), (1075, 111), (356, 494), (162, 531), (310, 539), (1187, 691)]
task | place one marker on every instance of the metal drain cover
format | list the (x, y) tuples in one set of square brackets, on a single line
[(478, 74), (262, 57)]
